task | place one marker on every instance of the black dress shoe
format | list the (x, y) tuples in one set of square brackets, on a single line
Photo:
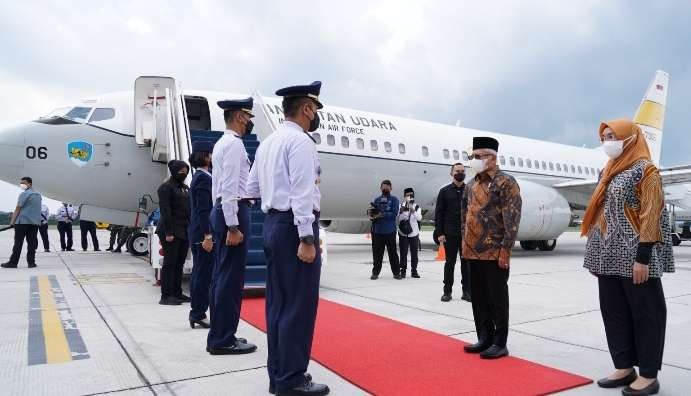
[(203, 324), (8, 265), (169, 301), (478, 347), (109, 249), (272, 388), (32, 265), (47, 250), (116, 250), (414, 274), (374, 277), (494, 352), (446, 297), (97, 250), (70, 250), (615, 383), (308, 388), (240, 348), (466, 297), (397, 277), (651, 389), (402, 274), (183, 298)]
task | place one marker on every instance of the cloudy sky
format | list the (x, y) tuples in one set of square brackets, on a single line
[(543, 69)]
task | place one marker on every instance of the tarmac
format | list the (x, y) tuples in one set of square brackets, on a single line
[(97, 315)]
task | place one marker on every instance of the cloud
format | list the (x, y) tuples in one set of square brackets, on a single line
[(139, 26)]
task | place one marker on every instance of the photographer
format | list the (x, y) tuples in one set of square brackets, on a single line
[(383, 213), (409, 232)]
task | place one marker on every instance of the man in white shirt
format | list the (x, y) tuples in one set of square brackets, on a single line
[(230, 222), (409, 216), (285, 174), (65, 217), (43, 228)]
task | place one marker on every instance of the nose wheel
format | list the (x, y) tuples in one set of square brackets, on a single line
[(138, 244)]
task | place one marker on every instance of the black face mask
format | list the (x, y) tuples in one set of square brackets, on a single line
[(385, 193), (459, 177), (180, 177), (314, 123), (249, 127)]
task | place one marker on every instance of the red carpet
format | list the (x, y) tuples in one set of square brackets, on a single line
[(387, 357)]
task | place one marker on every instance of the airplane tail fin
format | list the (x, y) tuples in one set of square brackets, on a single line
[(650, 115)]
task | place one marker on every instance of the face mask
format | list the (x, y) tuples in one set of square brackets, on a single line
[(613, 148), (459, 177), (180, 177), (314, 123), (249, 127), (23, 186), (385, 192), (478, 165)]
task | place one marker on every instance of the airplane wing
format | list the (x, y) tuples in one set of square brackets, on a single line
[(577, 190)]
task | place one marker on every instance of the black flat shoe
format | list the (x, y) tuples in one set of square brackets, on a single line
[(414, 275), (183, 298), (615, 383), (446, 298), (240, 348), (478, 347), (200, 322), (32, 265), (374, 277), (169, 301), (402, 275), (651, 389), (308, 388), (8, 265), (494, 352), (272, 388), (466, 297), (397, 277)]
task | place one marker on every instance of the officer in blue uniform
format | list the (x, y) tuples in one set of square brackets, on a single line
[(230, 221), (285, 174), (200, 233)]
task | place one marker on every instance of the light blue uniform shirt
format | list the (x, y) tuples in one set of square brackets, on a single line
[(29, 203)]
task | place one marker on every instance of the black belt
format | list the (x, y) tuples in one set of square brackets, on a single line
[(275, 211), (243, 200)]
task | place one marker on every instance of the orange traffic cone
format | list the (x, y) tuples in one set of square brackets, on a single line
[(441, 253)]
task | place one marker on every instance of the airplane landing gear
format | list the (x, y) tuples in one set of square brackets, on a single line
[(529, 245), (138, 244), (545, 246)]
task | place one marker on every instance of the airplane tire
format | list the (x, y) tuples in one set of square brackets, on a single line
[(138, 244), (547, 246), (676, 241), (529, 245)]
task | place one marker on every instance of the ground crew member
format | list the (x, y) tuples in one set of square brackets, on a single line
[(25, 219), (230, 221), (200, 233), (65, 217), (43, 228), (115, 231), (86, 226), (286, 173), (490, 224)]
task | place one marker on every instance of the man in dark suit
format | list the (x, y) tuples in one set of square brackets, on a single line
[(172, 231), (200, 233)]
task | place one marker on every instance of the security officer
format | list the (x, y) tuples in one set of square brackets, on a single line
[(65, 217), (200, 234), (230, 221), (43, 228), (285, 173)]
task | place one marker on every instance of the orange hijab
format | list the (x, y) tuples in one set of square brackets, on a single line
[(634, 149)]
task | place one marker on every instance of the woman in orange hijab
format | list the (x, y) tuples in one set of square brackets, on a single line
[(629, 247)]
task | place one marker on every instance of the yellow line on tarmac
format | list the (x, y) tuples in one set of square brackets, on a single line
[(57, 349)]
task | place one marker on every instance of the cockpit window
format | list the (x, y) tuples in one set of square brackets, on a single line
[(79, 114), (101, 114)]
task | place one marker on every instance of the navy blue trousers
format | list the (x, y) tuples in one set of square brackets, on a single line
[(227, 279), (200, 281), (292, 295)]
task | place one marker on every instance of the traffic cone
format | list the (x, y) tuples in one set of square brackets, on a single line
[(441, 253)]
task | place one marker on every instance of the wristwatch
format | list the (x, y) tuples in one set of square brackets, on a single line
[(309, 240), (208, 237), (233, 228)]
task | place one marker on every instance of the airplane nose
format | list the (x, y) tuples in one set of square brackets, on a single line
[(12, 146)]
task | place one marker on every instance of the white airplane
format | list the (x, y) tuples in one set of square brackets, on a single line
[(108, 155)]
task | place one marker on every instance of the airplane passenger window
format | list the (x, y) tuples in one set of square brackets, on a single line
[(425, 151), (360, 144), (587, 171), (387, 147), (502, 160), (592, 170), (598, 171), (528, 163), (330, 140), (373, 145), (317, 137), (580, 170), (512, 161), (345, 142), (401, 148), (566, 168), (537, 164), (520, 162), (559, 167), (551, 166), (465, 156), (79, 114), (544, 165), (102, 115), (456, 156), (446, 153), (573, 169)]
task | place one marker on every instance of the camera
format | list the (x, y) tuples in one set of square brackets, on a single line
[(373, 211)]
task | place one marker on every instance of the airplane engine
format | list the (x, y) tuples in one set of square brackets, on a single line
[(545, 213), (346, 226)]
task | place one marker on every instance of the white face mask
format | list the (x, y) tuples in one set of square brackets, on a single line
[(614, 148), (478, 165), (23, 186)]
